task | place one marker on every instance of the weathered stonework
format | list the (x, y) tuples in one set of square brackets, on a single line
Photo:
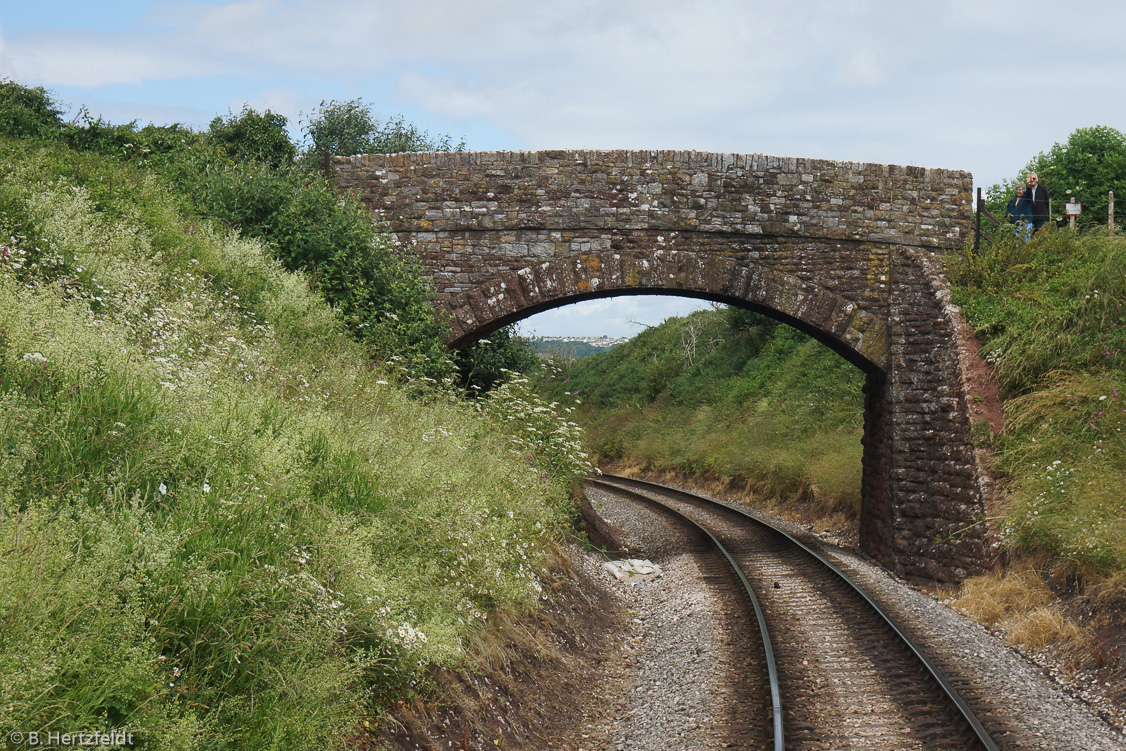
[(845, 252)]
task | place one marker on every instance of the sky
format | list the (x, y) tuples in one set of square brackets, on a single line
[(978, 85)]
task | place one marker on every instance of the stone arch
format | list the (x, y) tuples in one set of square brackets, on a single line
[(856, 334)]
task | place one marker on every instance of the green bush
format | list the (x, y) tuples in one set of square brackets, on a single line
[(28, 112), (382, 296), (347, 128), (489, 361), (254, 137)]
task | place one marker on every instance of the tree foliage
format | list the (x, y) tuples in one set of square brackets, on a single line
[(1090, 164), (346, 128), (382, 296), (254, 136), (487, 362), (28, 112), (32, 113), (339, 129)]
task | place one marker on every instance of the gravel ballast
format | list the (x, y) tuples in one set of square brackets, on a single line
[(674, 651), (675, 656)]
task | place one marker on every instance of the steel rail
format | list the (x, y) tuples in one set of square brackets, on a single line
[(771, 666), (964, 708)]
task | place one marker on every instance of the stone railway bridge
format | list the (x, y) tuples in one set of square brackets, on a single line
[(848, 253)]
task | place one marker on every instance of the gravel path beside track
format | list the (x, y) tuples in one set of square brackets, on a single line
[(686, 644)]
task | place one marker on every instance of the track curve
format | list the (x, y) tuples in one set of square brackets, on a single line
[(846, 676)]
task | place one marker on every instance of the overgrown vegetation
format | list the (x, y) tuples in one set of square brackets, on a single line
[(1051, 314), (243, 172), (224, 524), (729, 394), (346, 128)]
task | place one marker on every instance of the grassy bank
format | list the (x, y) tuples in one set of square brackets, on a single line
[(1051, 315), (221, 527), (730, 395)]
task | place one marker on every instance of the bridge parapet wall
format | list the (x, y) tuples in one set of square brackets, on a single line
[(669, 191)]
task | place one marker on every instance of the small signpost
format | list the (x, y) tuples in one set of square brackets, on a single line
[(1072, 210)]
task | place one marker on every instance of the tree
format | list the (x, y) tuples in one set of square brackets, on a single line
[(249, 135), (339, 129), (28, 112), (347, 128), (1090, 164)]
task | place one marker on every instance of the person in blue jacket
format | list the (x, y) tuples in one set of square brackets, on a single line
[(1019, 212)]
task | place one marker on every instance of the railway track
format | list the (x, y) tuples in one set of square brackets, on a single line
[(839, 673)]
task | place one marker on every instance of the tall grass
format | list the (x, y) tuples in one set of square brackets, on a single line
[(1052, 317), (220, 528)]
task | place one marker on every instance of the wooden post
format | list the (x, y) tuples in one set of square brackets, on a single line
[(1110, 210), (977, 223)]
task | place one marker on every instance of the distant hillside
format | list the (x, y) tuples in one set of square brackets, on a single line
[(574, 347), (729, 394)]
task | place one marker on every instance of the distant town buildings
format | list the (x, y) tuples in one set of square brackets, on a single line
[(574, 347), (602, 342)]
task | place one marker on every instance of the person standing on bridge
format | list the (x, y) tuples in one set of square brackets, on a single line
[(1038, 200), (1019, 212)]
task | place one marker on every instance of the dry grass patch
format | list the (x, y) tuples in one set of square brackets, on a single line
[(1110, 591), (1044, 627), (1017, 601), (1001, 594)]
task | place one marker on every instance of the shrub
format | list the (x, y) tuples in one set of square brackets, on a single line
[(28, 112), (486, 363), (347, 128), (251, 136), (382, 296)]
